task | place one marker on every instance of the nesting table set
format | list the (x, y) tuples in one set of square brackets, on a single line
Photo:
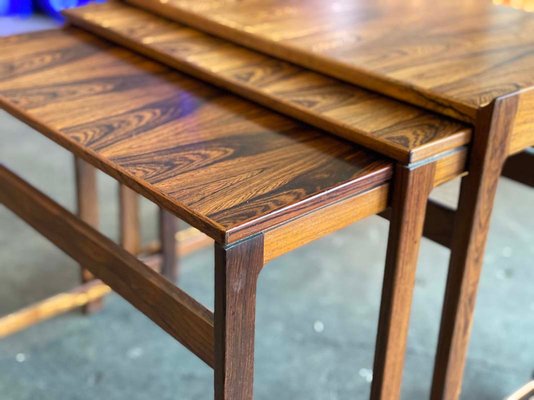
[(266, 125)]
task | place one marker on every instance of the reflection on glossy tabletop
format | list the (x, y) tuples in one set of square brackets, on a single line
[(222, 163), (450, 56), (393, 128)]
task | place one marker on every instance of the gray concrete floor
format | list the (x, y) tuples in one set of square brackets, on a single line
[(317, 307)]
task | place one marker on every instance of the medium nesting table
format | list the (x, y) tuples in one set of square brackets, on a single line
[(258, 183)]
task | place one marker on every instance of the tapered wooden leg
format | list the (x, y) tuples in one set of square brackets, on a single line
[(410, 194), (129, 226), (130, 237), (87, 210), (168, 225), (236, 272), (477, 194)]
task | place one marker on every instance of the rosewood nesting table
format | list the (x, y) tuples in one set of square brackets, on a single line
[(471, 60), (259, 184)]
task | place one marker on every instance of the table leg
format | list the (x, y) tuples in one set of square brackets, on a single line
[(129, 225), (410, 195), (87, 210), (130, 232), (488, 154), (168, 226), (236, 271)]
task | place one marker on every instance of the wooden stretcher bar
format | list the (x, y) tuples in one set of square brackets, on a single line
[(172, 309), (520, 168)]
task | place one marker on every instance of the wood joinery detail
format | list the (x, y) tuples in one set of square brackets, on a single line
[(298, 232), (308, 227), (172, 309)]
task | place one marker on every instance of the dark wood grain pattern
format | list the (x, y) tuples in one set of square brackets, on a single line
[(298, 232), (172, 309), (226, 166), (236, 274), (450, 56), (390, 127), (411, 189), (232, 169), (471, 225)]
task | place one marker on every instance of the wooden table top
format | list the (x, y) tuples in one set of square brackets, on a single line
[(452, 56), (395, 129), (224, 165)]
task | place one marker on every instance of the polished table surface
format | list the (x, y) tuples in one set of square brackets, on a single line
[(392, 128), (225, 165), (234, 169), (454, 57), (468, 59)]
